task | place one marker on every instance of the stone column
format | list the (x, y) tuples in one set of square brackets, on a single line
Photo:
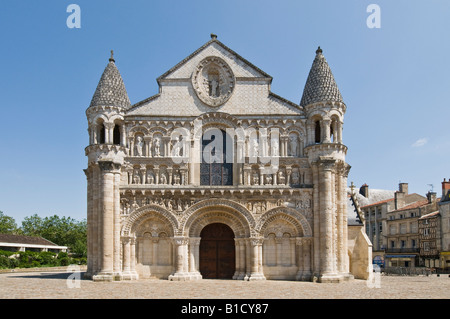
[(237, 258), (109, 129), (261, 175), (247, 174), (107, 229), (299, 245), (194, 258), (180, 244), (326, 130), (155, 241), (131, 143), (306, 259), (256, 259), (133, 258), (90, 215), (148, 146), (316, 213), (327, 273), (126, 255), (117, 267)]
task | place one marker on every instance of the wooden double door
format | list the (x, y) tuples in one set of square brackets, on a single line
[(217, 252)]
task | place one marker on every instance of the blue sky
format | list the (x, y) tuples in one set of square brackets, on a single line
[(394, 80)]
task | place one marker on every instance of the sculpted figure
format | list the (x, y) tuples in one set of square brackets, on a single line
[(157, 147), (139, 145), (150, 178), (293, 145), (281, 178)]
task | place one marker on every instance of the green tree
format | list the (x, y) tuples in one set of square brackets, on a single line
[(7, 224), (32, 226), (63, 231)]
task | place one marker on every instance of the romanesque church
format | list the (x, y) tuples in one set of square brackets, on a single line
[(216, 176)]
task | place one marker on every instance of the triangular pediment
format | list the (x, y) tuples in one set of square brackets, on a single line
[(240, 66), (240, 88)]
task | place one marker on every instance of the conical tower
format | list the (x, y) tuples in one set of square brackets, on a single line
[(106, 152), (324, 108)]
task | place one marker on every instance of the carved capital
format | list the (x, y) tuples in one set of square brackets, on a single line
[(180, 241), (109, 166)]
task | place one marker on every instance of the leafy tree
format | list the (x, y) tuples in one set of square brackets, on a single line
[(63, 231), (32, 226), (7, 224)]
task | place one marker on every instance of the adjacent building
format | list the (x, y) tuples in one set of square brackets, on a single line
[(11, 242), (444, 213)]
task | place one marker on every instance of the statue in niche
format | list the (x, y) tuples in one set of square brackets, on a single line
[(177, 147), (255, 178), (255, 147), (139, 145), (176, 178), (136, 177), (150, 177), (275, 146), (163, 178), (293, 144), (281, 178), (268, 179), (295, 177), (157, 147), (214, 88)]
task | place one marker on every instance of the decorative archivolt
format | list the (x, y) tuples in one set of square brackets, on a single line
[(210, 210), (138, 216), (209, 119), (138, 130), (286, 214)]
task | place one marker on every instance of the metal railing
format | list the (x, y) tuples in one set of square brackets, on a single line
[(409, 271)]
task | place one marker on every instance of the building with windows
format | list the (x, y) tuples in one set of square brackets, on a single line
[(430, 239), (376, 206), (216, 176), (444, 214)]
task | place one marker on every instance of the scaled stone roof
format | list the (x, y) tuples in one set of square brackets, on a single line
[(320, 85), (111, 89)]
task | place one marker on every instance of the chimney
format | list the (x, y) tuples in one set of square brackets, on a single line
[(431, 197), (364, 190), (403, 188), (445, 190), (399, 200)]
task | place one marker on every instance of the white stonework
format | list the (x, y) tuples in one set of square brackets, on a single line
[(154, 200)]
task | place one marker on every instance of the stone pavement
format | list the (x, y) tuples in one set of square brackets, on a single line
[(55, 285)]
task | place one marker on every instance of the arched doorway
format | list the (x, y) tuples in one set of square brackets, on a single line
[(217, 252)]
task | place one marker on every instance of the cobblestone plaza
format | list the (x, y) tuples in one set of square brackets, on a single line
[(55, 285)]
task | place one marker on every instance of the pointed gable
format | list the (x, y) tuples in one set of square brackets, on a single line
[(249, 88), (240, 66)]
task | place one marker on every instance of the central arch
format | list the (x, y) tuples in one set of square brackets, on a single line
[(217, 252)]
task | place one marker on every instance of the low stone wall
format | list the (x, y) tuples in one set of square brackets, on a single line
[(43, 269)]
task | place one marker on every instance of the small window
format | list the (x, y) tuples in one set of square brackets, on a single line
[(317, 132), (102, 134), (116, 135)]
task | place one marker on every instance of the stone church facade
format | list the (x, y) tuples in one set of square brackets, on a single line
[(216, 176)]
